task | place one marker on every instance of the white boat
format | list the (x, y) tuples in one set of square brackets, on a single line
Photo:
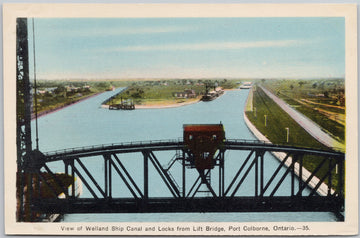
[(246, 85)]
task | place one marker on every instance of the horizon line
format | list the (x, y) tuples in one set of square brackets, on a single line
[(189, 78)]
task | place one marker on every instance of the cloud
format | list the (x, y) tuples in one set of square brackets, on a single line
[(211, 46), (118, 31)]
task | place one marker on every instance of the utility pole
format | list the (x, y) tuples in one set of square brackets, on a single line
[(265, 119), (287, 134)]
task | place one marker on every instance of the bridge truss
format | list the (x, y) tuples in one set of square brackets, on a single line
[(122, 189)]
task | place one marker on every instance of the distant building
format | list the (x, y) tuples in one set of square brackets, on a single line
[(72, 89), (186, 94), (48, 91)]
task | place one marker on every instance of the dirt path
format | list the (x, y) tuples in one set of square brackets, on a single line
[(322, 104), (338, 117)]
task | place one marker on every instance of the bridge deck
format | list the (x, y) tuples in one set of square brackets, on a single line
[(203, 204)]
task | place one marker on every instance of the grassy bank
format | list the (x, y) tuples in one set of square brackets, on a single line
[(272, 122)]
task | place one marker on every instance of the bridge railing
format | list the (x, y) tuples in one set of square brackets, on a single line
[(140, 143), (246, 141), (157, 142), (112, 145), (262, 142)]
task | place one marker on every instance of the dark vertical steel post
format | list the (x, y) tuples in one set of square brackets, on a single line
[(262, 174), (73, 176), (20, 194), (256, 173), (67, 173), (146, 175), (36, 185), (23, 109), (341, 178), (220, 175), (223, 173), (330, 178), (110, 180), (35, 87), (28, 199), (300, 174), (106, 178), (293, 175), (183, 175), (222, 164), (341, 182), (23, 87)]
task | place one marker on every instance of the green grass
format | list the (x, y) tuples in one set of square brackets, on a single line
[(51, 102), (277, 121)]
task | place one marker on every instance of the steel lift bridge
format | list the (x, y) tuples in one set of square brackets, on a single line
[(198, 174)]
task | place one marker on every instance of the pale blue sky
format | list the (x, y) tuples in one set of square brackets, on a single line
[(96, 48)]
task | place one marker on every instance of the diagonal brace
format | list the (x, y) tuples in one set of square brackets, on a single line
[(91, 177), (164, 175), (238, 173)]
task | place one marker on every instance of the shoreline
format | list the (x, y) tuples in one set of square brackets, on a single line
[(47, 112), (168, 104), (160, 106), (165, 105)]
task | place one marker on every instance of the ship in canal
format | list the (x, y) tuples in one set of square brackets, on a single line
[(246, 85), (211, 95), (123, 105)]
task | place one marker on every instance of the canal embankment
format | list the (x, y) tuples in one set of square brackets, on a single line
[(322, 190)]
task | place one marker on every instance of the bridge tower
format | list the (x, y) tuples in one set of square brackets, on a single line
[(203, 141), (23, 110)]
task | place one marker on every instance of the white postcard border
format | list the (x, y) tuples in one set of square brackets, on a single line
[(348, 11)]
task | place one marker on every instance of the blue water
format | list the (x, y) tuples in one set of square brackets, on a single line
[(86, 123)]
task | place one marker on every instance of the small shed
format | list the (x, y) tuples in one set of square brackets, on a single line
[(203, 140)]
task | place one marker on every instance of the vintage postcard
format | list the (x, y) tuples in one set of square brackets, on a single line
[(180, 119)]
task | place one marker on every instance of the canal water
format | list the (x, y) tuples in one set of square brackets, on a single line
[(86, 123)]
